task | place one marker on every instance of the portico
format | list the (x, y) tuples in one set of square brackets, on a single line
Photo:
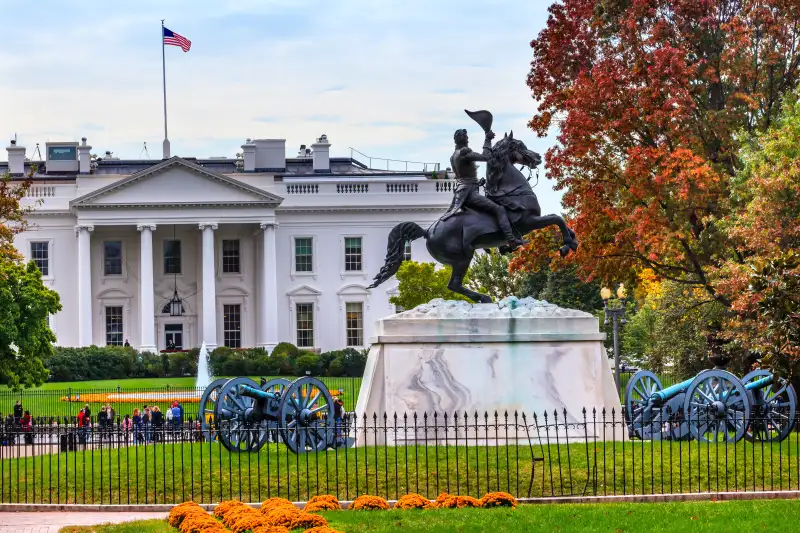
[(216, 250)]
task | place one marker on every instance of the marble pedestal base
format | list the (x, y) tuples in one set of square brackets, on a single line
[(500, 361)]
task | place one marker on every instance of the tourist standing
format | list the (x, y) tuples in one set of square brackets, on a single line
[(137, 427), (158, 424)]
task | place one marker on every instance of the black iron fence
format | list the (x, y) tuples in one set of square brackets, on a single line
[(67, 401), (527, 455)]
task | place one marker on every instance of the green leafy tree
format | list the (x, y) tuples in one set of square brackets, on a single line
[(25, 335), (563, 288), (489, 274), (422, 282)]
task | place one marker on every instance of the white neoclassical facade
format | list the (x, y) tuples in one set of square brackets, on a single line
[(248, 252)]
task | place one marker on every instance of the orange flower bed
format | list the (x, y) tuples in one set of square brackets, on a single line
[(201, 523), (275, 503), (248, 522), (322, 505), (239, 512), (306, 521), (283, 516), (321, 529), (271, 529), (498, 499), (440, 499), (180, 512), (413, 501), (370, 503), (133, 397), (324, 498), (225, 507), (458, 502)]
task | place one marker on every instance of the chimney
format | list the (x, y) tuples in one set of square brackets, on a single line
[(322, 155), (249, 156), (16, 159), (84, 157), (270, 155)]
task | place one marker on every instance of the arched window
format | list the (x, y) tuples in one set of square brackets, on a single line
[(166, 309)]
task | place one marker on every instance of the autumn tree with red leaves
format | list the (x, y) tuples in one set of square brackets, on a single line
[(652, 100)]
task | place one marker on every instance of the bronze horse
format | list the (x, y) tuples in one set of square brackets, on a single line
[(454, 241)]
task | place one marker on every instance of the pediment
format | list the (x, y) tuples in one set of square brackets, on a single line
[(177, 182), (353, 290), (304, 290)]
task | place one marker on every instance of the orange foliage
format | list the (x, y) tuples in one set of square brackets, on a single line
[(369, 503), (271, 529), (307, 520), (498, 499), (413, 501), (322, 529), (458, 502), (322, 505), (180, 512), (282, 516)]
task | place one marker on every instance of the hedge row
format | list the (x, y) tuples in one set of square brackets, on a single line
[(115, 362)]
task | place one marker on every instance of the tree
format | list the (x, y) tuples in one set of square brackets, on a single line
[(648, 98), (419, 283), (489, 274), (25, 335)]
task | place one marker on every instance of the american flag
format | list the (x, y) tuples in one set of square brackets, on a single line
[(172, 38)]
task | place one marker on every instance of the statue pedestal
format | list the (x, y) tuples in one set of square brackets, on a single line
[(516, 357)]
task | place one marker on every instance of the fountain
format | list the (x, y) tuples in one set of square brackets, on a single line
[(204, 377)]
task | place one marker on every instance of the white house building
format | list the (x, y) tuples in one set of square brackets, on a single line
[(237, 252)]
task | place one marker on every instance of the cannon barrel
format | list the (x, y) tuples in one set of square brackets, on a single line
[(760, 383), (253, 392), (665, 395)]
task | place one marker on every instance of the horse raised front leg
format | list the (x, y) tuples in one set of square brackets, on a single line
[(568, 236), (456, 279)]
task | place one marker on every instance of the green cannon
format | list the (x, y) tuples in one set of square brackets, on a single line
[(714, 406), (243, 414)]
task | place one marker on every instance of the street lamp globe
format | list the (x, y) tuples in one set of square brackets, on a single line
[(605, 293)]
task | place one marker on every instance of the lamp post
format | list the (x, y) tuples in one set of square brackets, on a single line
[(615, 310)]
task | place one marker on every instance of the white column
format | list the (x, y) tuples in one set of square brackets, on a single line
[(209, 334), (147, 341), (84, 234), (268, 308)]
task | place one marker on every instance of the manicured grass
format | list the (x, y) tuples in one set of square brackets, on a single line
[(46, 401), (207, 473), (678, 517)]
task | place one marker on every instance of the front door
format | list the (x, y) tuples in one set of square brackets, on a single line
[(173, 336)]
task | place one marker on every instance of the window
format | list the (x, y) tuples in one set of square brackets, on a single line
[(62, 153), (352, 254), (355, 323), (399, 309), (173, 334), (232, 325), (172, 257), (230, 256), (167, 309), (407, 251), (40, 254), (112, 258), (305, 325), (303, 254), (114, 335)]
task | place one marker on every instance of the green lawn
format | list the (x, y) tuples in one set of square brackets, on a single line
[(678, 517), (47, 401), (207, 473)]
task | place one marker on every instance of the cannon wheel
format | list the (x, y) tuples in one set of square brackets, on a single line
[(206, 411), (232, 412), (276, 385), (306, 416), (644, 421), (717, 407), (772, 411)]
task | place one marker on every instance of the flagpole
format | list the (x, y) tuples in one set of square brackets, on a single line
[(164, 80)]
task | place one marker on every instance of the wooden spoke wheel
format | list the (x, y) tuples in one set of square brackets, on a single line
[(772, 409), (240, 427), (306, 416), (205, 411), (717, 407), (644, 420), (276, 386)]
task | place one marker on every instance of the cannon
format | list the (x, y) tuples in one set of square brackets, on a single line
[(243, 415), (714, 406)]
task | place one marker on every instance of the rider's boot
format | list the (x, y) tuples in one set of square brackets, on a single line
[(514, 242)]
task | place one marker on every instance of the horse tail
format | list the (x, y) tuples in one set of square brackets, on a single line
[(400, 234)]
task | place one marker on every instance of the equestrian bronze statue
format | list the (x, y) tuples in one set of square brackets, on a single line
[(509, 210)]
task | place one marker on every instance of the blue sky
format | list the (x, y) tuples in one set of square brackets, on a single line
[(388, 78)]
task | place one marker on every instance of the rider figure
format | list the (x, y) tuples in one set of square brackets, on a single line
[(467, 193)]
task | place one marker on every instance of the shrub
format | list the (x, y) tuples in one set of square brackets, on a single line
[(266, 528), (282, 516), (180, 512), (248, 522), (458, 502), (307, 520), (498, 499), (287, 349), (323, 503), (369, 503), (308, 363), (275, 503), (225, 507), (413, 501)]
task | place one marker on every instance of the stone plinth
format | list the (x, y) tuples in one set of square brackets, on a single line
[(524, 356)]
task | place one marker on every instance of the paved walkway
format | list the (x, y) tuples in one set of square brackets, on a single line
[(49, 522)]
